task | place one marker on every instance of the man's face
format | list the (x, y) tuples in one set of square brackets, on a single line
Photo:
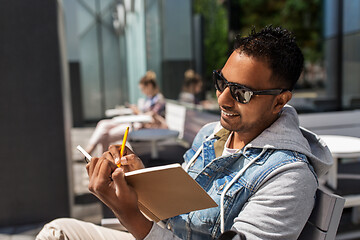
[(251, 118)]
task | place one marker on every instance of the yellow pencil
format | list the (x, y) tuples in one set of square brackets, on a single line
[(123, 145)]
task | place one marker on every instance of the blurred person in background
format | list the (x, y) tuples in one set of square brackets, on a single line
[(192, 86), (109, 130)]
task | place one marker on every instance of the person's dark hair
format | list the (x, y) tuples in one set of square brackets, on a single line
[(149, 78), (277, 47)]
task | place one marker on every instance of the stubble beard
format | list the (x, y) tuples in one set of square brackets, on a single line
[(232, 127)]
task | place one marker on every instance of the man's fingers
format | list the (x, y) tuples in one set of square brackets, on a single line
[(124, 160), (105, 170), (119, 179), (90, 166), (108, 155), (130, 159), (96, 167), (115, 151), (101, 176)]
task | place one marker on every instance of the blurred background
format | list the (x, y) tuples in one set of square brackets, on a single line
[(110, 44), (64, 63)]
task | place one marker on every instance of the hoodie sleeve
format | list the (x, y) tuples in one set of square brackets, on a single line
[(158, 232), (281, 206)]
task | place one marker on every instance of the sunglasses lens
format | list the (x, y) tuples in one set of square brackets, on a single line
[(241, 95), (220, 83), (238, 92)]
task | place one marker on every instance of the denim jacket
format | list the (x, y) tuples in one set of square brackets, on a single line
[(267, 164)]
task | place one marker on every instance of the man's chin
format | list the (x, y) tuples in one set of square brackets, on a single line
[(230, 127), (225, 125)]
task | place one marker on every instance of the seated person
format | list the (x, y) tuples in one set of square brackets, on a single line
[(257, 164), (109, 130), (191, 88)]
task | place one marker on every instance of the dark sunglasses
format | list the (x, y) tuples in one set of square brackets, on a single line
[(239, 92)]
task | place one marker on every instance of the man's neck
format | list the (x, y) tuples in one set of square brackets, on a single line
[(236, 142), (239, 140)]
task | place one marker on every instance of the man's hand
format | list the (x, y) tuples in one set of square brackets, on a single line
[(107, 182), (129, 162)]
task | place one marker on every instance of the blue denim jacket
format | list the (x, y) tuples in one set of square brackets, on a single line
[(214, 173), (272, 198)]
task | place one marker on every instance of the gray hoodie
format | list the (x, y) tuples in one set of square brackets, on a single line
[(287, 193), (296, 139)]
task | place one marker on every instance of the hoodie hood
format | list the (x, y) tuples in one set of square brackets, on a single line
[(286, 134)]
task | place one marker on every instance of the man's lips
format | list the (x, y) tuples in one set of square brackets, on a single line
[(229, 114)]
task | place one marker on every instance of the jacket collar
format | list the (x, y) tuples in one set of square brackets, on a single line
[(219, 145)]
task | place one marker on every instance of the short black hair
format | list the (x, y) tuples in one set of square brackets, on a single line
[(278, 48)]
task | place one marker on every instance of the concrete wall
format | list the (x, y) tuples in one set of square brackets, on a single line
[(35, 114), (177, 45)]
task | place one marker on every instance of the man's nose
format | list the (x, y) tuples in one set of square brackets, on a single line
[(225, 98)]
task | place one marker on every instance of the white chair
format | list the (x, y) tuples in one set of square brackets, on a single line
[(175, 117)]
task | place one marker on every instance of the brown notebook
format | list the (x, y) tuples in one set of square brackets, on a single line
[(167, 191)]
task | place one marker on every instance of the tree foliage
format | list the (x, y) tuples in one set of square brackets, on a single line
[(216, 44), (303, 18)]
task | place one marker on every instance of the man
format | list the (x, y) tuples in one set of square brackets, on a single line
[(257, 164)]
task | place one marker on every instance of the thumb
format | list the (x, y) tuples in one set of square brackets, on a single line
[(118, 177)]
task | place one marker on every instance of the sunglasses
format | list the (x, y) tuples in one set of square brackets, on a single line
[(239, 92)]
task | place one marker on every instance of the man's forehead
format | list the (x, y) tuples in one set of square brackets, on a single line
[(241, 67), (237, 53)]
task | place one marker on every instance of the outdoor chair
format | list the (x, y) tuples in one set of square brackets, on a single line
[(323, 221), (325, 217)]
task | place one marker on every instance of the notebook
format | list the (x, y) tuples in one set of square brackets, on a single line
[(167, 191)]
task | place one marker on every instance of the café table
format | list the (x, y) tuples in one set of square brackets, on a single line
[(141, 118), (118, 112), (340, 147), (153, 136)]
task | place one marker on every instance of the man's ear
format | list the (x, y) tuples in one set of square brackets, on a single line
[(281, 100)]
